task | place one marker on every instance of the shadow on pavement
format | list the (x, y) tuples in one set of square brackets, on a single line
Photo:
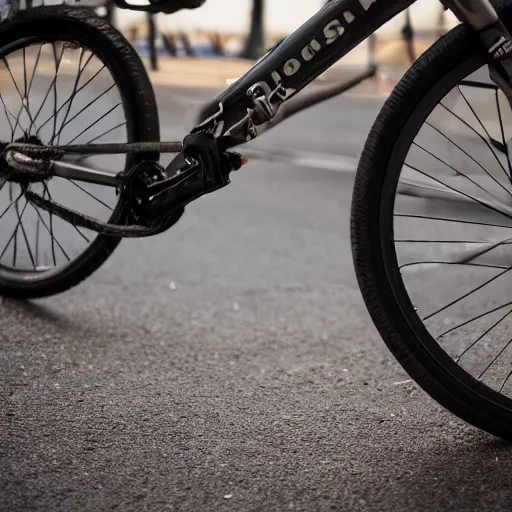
[(35, 311), (459, 476)]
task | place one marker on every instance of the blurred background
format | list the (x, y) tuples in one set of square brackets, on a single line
[(247, 28), (234, 28)]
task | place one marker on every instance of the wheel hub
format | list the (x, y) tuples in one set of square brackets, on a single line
[(23, 178)]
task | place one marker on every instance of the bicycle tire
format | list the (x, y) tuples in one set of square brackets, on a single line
[(451, 58), (140, 108)]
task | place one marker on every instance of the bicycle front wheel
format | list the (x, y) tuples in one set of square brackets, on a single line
[(66, 77), (432, 230)]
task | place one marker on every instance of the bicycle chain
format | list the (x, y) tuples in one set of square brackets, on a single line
[(80, 220), (57, 152)]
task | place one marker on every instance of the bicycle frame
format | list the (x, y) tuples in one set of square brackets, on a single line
[(254, 100), (325, 38)]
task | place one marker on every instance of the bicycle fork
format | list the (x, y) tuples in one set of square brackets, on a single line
[(482, 17)]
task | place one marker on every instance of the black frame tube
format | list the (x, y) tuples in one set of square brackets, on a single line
[(304, 55), (325, 38)]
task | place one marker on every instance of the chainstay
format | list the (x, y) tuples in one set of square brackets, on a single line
[(80, 220), (94, 149)]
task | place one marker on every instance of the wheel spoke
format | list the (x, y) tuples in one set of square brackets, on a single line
[(502, 130), (50, 232), (498, 145), (465, 175), (47, 192), (10, 205), (495, 359), (444, 219), (15, 248), (486, 250), (440, 242), (25, 85), (477, 117), (66, 102), (57, 67), (15, 230), (479, 85), (476, 200), (505, 381), (460, 148), (34, 69), (467, 322), (5, 179), (81, 234), (18, 123), (22, 98), (38, 225), (479, 287), (479, 135), (55, 98), (73, 93), (91, 195), (86, 107), (495, 324), (31, 256), (71, 98), (32, 124), (104, 133), (7, 113), (94, 123)]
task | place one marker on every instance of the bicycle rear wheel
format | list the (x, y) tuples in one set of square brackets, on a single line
[(431, 230), (66, 77)]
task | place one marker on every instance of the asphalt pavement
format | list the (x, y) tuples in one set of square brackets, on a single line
[(230, 364)]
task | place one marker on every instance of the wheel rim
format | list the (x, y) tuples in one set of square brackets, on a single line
[(427, 266), (61, 92)]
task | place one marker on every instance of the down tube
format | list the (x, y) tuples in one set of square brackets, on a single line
[(329, 35)]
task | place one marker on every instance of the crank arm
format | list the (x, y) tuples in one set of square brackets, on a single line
[(191, 167)]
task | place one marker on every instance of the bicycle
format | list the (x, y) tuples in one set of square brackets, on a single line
[(44, 151)]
